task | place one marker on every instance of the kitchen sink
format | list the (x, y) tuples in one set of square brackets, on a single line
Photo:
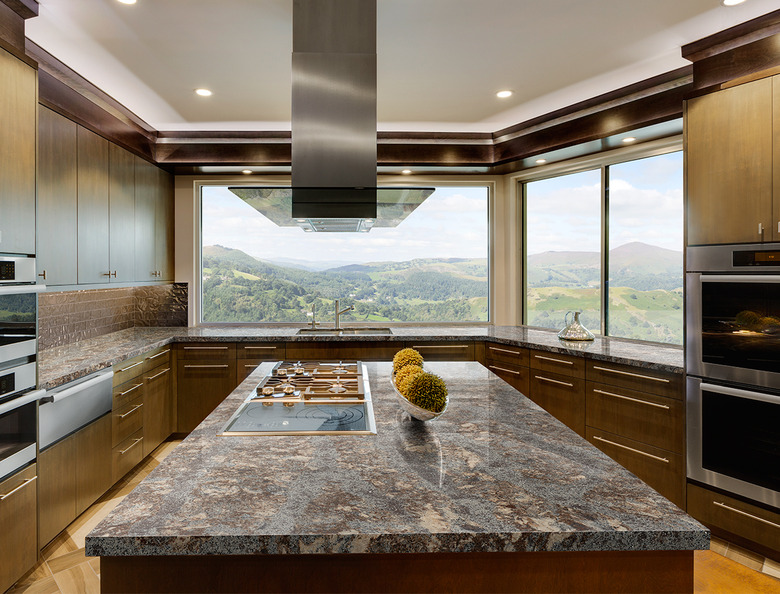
[(344, 331)]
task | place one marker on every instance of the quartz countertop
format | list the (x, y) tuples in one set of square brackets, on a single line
[(494, 473), (59, 365)]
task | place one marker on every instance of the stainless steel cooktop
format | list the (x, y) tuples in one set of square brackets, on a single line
[(307, 398)]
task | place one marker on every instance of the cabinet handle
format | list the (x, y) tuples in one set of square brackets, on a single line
[(163, 372), (259, 348), (205, 367), (112, 274), (436, 346), (504, 350), (131, 446), (135, 387), (547, 379), (24, 484), (639, 375), (743, 513), (250, 364), (108, 274), (761, 229), (620, 445), (43, 274), (129, 367), (205, 348), (554, 360), (160, 354), (664, 406), (504, 370), (131, 411)]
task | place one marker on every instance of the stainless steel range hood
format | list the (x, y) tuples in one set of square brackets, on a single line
[(334, 151)]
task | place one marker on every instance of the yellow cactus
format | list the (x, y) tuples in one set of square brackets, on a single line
[(404, 375), (427, 391), (406, 357)]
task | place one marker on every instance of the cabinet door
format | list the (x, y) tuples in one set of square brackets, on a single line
[(93, 244), (444, 351), (56, 489), (145, 216), (158, 413), (93, 462), (121, 192), (18, 100), (18, 545), (201, 386), (560, 395), (776, 156), (164, 226), (729, 165), (57, 198)]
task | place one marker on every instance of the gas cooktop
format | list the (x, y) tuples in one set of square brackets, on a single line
[(307, 398)]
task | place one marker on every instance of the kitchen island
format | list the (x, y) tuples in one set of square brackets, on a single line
[(496, 495)]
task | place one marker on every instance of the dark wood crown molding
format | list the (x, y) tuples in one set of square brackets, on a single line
[(24, 8)]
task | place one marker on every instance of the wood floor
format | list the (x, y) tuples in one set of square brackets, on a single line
[(725, 569)]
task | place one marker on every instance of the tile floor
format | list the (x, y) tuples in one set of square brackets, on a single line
[(64, 569)]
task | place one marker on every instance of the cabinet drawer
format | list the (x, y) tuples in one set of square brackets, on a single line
[(664, 471), (222, 351), (245, 367), (635, 378), (444, 351), (261, 351), (157, 357), (126, 392), (338, 350), (557, 363), (127, 420), (732, 515), (18, 526), (654, 420), (127, 454), (514, 375), (502, 353), (128, 369), (561, 396)]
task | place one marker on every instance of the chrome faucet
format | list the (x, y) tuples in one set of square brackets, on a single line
[(339, 312), (314, 322)]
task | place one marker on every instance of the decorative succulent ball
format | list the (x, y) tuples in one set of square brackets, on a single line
[(406, 357), (427, 391), (404, 375)]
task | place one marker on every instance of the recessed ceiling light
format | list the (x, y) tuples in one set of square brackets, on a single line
[(203, 92), (300, 220), (504, 94), (731, 2), (407, 171), (127, 1), (540, 161), (629, 139), (247, 171)]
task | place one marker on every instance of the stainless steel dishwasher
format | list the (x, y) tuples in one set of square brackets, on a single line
[(70, 407)]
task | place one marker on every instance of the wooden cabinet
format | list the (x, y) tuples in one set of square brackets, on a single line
[(93, 208), (126, 455), (164, 226), (250, 355), (637, 417), (729, 158), (72, 474), (153, 222), (205, 375), (510, 363), (557, 384), (121, 200), (158, 407), (18, 100), (18, 526), (444, 351), (57, 198), (360, 350)]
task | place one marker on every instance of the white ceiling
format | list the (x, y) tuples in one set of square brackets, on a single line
[(440, 62)]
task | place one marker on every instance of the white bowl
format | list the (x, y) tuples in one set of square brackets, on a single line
[(418, 413)]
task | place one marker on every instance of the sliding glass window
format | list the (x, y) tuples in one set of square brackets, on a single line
[(612, 251)]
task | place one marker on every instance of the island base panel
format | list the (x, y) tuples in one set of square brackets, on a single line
[(592, 571)]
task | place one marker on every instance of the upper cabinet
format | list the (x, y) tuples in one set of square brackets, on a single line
[(18, 100), (153, 222), (121, 214), (93, 210), (732, 194)]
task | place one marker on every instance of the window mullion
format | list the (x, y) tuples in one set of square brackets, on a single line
[(604, 250)]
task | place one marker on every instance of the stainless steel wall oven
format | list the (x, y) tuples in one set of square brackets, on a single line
[(733, 368)]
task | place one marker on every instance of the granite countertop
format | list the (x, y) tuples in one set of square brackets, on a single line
[(59, 365), (494, 473)]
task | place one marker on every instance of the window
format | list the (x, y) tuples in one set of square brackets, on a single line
[(432, 266), (625, 271)]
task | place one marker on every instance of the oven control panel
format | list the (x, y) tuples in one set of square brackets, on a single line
[(7, 271)]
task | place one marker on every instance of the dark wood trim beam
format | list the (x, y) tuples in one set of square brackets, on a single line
[(11, 30), (24, 8)]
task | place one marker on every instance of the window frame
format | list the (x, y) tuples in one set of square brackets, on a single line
[(488, 182), (599, 161)]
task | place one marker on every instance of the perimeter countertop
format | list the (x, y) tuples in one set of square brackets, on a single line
[(60, 365), (494, 473)]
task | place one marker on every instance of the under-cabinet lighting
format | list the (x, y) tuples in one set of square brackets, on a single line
[(127, 1), (504, 94), (731, 2), (541, 161), (203, 92), (407, 171), (628, 139), (247, 171)]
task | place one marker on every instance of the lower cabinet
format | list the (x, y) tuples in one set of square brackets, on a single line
[(328, 351), (126, 454), (202, 383), (443, 351), (158, 407), (510, 363), (557, 384), (18, 545), (72, 474), (250, 355)]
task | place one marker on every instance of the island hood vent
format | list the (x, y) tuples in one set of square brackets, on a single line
[(334, 142)]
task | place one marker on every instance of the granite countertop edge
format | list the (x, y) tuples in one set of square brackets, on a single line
[(63, 364)]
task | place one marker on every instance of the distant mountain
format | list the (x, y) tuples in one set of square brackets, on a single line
[(308, 264)]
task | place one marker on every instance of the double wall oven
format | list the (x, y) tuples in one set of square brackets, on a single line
[(733, 367), (18, 369)]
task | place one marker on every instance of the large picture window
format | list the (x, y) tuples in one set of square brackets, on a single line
[(429, 264), (610, 250)]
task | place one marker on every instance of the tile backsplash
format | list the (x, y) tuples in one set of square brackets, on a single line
[(69, 316)]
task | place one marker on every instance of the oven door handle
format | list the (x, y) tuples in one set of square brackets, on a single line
[(21, 401), (20, 289), (740, 278), (750, 394)]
